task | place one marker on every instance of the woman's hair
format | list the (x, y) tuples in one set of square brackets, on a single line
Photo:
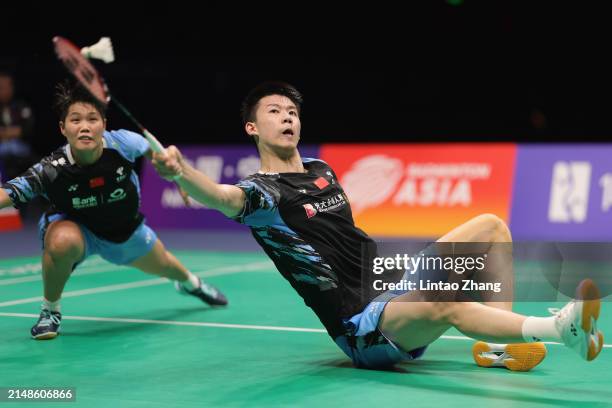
[(68, 93)]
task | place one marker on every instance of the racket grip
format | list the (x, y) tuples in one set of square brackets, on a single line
[(153, 142), (157, 147)]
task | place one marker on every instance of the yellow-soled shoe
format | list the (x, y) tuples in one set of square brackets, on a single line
[(515, 357), (577, 321)]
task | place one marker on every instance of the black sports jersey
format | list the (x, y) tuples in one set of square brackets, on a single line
[(104, 196), (303, 221)]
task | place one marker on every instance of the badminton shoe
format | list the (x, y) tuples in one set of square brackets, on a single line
[(207, 293), (515, 357), (48, 325), (577, 321)]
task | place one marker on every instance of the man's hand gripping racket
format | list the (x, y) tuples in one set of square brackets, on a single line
[(170, 165)]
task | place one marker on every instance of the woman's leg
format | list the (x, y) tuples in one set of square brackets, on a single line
[(64, 246), (161, 262)]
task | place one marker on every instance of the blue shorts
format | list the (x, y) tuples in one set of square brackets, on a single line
[(365, 344), (139, 244)]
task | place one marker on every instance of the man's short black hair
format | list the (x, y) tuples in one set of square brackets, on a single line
[(249, 104), (68, 93)]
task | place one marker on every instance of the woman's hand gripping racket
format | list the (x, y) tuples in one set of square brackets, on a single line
[(79, 66)]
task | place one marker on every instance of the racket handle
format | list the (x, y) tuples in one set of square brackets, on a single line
[(153, 142), (157, 147)]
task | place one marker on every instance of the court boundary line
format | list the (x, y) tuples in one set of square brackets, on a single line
[(89, 267), (218, 271), (90, 271), (220, 325)]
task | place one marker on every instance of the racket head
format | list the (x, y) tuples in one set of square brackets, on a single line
[(81, 68)]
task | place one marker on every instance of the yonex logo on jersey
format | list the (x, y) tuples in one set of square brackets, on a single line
[(61, 161), (321, 183), (73, 187), (117, 195), (96, 182), (80, 203), (310, 210), (121, 175)]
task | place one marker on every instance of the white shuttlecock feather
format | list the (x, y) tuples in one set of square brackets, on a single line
[(102, 50)]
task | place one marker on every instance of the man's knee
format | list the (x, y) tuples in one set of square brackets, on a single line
[(498, 227)]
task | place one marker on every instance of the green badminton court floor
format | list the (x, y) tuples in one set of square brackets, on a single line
[(129, 340)]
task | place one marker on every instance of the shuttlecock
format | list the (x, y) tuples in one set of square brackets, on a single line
[(102, 50)]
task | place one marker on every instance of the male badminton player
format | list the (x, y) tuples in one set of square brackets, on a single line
[(299, 214), (95, 198)]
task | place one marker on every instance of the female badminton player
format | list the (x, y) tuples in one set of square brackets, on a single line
[(95, 198)]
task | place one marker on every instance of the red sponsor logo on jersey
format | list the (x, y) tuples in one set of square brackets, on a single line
[(310, 210), (321, 183), (96, 182)]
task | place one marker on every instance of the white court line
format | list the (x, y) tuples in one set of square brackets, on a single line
[(35, 269), (221, 325), (174, 323), (95, 266), (92, 262), (223, 270), (78, 272)]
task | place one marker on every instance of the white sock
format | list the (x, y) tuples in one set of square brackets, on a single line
[(191, 283), (540, 329), (51, 306)]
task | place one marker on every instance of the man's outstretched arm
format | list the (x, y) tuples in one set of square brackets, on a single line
[(226, 198)]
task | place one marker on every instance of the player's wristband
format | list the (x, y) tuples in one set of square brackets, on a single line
[(177, 176)]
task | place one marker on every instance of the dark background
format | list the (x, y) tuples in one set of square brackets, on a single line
[(431, 71)]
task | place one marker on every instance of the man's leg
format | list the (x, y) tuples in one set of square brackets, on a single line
[(415, 319), (64, 246), (495, 236), (488, 228), (161, 262)]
